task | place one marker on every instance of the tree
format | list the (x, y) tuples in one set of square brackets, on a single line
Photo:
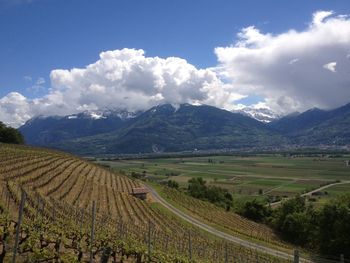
[(255, 210), (10, 135), (334, 227), (197, 187), (173, 184), (297, 228), (325, 229), (295, 205)]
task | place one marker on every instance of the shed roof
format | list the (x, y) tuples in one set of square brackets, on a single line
[(140, 190)]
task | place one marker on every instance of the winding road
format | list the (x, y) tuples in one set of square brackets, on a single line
[(242, 242)]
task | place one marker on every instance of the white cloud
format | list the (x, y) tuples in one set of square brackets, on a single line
[(14, 109), (320, 16), (287, 68), (126, 79), (330, 66)]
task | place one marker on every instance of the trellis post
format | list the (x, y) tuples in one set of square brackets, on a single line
[(189, 245), (296, 256), (149, 241), (92, 230), (19, 222)]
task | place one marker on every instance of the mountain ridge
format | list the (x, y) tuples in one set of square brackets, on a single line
[(186, 127)]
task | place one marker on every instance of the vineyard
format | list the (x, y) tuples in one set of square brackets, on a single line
[(76, 211), (231, 222)]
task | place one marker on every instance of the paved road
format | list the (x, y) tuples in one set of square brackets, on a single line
[(313, 191), (218, 233)]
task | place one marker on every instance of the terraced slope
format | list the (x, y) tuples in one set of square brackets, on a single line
[(221, 219), (59, 222)]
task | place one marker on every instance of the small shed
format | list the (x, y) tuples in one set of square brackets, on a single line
[(140, 192), (347, 163)]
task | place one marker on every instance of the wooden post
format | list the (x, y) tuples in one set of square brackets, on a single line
[(149, 241), (92, 230), (166, 242), (342, 260), (37, 206), (19, 222), (8, 200), (81, 220), (296, 256), (226, 253), (189, 245), (53, 213)]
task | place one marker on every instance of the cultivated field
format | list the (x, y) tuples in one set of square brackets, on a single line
[(264, 177)]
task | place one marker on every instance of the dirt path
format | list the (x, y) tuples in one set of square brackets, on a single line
[(243, 242), (313, 191)]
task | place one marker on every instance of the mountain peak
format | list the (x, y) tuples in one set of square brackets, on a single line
[(264, 115), (103, 114)]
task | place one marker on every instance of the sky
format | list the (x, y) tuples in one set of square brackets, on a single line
[(62, 57)]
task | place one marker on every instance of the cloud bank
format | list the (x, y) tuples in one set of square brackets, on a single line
[(292, 71), (120, 79)]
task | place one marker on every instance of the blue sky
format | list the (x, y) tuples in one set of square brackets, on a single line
[(41, 36)]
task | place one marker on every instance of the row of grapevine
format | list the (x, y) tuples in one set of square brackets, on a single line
[(60, 190), (229, 220)]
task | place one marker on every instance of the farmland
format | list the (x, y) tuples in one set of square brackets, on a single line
[(270, 176), (75, 210)]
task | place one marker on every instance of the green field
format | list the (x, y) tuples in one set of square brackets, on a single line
[(258, 176)]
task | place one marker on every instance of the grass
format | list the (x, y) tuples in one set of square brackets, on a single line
[(257, 176), (332, 192)]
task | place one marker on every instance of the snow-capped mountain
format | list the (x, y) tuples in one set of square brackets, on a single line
[(261, 114), (162, 128), (42, 130), (187, 127), (104, 114)]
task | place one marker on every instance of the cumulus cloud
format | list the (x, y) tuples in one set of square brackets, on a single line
[(14, 109), (123, 79), (288, 69)]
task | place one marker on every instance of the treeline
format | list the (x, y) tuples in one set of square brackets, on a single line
[(10, 135), (197, 188), (325, 229)]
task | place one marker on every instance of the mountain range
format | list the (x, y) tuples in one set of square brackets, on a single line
[(166, 128), (316, 127)]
